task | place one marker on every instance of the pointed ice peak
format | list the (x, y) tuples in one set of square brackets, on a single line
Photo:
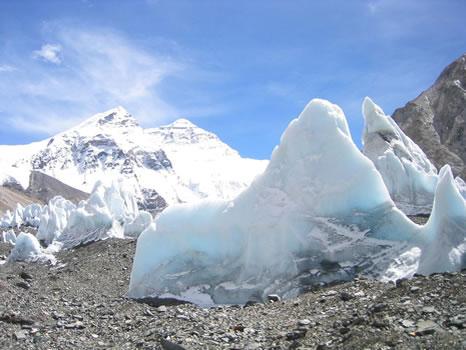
[(376, 120), (448, 198), (116, 117), (181, 123)]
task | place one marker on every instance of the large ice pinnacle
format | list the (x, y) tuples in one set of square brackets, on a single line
[(227, 252), (320, 202), (407, 172)]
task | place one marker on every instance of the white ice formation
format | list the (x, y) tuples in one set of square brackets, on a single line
[(9, 237), (110, 211), (29, 216), (27, 248), (409, 175), (320, 212)]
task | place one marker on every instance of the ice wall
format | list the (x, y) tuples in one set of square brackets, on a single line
[(239, 250), (407, 172)]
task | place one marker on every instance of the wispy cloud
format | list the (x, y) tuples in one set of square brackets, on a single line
[(49, 53), (6, 68), (94, 70), (373, 6)]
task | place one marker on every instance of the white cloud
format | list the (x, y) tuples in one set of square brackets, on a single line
[(372, 6), (6, 68), (103, 69), (49, 52)]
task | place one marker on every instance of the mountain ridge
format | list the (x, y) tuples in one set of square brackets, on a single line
[(173, 163)]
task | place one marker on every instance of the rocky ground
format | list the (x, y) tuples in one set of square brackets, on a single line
[(80, 303)]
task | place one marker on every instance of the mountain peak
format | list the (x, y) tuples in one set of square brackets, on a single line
[(116, 117), (181, 123)]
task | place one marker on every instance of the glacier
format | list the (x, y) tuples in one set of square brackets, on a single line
[(320, 212)]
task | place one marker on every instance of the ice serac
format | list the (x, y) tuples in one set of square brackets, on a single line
[(407, 172), (27, 248), (319, 203), (9, 237), (446, 228), (53, 219), (110, 211)]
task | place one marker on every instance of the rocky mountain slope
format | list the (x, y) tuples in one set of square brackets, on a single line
[(10, 197), (41, 189), (81, 303), (179, 162), (436, 119), (45, 187)]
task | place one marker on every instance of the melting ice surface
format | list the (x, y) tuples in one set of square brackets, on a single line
[(320, 212)]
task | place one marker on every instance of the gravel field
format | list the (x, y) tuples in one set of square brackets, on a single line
[(81, 303)]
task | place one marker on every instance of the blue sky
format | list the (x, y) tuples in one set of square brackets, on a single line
[(242, 69)]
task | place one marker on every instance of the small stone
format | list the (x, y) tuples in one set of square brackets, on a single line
[(75, 325), (304, 322), (168, 345), (330, 293), (458, 321), (345, 296), (414, 289), (23, 284), (273, 298), (162, 308), (25, 275), (407, 323), (147, 312), (426, 327), (238, 328), (296, 334), (380, 324), (57, 315), (428, 309), (400, 282), (250, 303), (344, 330), (20, 335), (379, 307)]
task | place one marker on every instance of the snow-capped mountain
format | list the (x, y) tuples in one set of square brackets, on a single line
[(179, 162)]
